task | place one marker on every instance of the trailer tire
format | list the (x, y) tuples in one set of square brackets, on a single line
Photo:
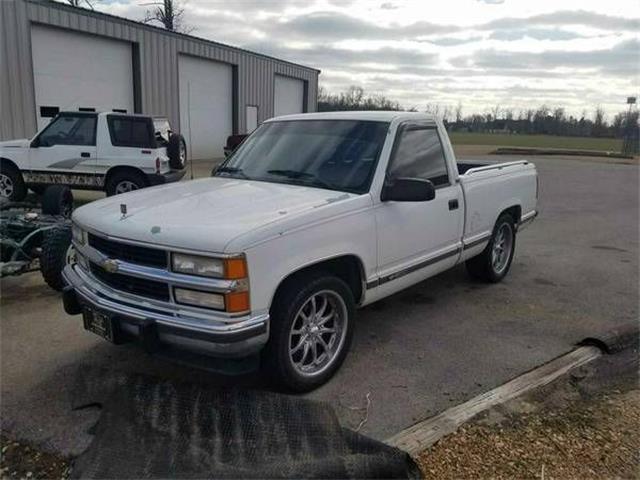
[(57, 200), (55, 251)]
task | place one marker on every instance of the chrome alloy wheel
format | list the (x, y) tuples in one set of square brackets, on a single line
[(502, 246), (318, 333), (6, 186), (126, 186)]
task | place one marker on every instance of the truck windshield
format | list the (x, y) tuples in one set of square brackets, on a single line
[(333, 154)]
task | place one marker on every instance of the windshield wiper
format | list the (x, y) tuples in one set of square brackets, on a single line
[(232, 171), (305, 176)]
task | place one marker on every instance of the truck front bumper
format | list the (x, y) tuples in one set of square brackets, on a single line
[(169, 177), (160, 329)]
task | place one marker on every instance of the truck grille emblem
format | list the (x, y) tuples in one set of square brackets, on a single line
[(110, 265)]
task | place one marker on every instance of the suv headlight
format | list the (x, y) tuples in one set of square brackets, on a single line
[(79, 235)]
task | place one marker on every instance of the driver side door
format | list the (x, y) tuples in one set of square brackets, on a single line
[(65, 151)]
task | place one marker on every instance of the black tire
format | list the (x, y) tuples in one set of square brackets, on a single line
[(482, 266), (113, 181), (177, 151), (12, 184), (57, 200), (55, 245), (290, 300), (38, 189)]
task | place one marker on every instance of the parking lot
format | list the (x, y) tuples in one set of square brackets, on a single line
[(437, 344)]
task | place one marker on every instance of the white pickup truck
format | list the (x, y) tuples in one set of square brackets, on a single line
[(311, 217), (113, 152)]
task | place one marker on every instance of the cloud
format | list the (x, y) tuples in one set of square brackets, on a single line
[(388, 6), (492, 2), (564, 18), (453, 41), (621, 59), (555, 34)]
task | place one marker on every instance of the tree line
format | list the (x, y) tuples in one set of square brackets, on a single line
[(542, 120)]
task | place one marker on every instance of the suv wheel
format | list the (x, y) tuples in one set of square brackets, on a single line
[(494, 262), (56, 253), (12, 185), (311, 331), (123, 182)]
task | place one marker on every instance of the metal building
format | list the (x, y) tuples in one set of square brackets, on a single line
[(55, 57)]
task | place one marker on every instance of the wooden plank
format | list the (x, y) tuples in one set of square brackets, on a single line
[(417, 438)]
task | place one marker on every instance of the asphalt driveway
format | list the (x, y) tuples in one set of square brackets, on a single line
[(443, 341)]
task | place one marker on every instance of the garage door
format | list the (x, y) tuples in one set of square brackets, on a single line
[(76, 71), (206, 105), (289, 96)]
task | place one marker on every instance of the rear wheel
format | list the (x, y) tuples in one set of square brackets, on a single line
[(56, 252), (177, 151), (123, 182), (12, 185), (311, 331), (493, 264)]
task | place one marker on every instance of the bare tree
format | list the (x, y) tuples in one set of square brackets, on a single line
[(459, 112), (169, 13), (81, 3)]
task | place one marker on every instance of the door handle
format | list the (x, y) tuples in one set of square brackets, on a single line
[(85, 154), (453, 204)]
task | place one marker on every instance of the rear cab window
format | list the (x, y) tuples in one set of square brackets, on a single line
[(418, 153), (129, 131)]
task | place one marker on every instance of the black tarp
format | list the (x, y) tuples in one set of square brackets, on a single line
[(155, 428)]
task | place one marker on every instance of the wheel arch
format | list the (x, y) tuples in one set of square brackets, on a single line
[(9, 163), (514, 210), (122, 169), (347, 267)]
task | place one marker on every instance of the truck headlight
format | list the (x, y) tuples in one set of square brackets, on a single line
[(229, 268), (197, 298), (79, 235)]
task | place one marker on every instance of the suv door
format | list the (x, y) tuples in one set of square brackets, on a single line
[(65, 151), (419, 236)]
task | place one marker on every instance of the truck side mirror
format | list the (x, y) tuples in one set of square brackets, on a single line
[(408, 190)]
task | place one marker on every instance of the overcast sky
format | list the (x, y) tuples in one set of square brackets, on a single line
[(513, 53)]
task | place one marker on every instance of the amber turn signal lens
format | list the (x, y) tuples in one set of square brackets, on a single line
[(235, 268), (237, 302)]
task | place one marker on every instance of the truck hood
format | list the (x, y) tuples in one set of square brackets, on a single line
[(22, 143), (208, 214)]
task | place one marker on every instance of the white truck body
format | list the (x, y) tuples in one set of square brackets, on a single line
[(281, 229)]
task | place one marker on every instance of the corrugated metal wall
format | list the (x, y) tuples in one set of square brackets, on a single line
[(158, 61)]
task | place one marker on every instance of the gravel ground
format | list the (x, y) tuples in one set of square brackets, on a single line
[(22, 461), (584, 426)]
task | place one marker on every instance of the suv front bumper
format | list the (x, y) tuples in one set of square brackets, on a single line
[(166, 327)]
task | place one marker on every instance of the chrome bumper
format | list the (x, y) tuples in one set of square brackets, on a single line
[(174, 325)]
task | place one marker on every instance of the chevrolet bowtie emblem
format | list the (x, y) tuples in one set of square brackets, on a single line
[(123, 210), (110, 265)]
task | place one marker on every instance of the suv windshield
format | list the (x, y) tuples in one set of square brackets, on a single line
[(333, 154)]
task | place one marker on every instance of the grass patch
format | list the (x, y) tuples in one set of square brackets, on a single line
[(542, 141)]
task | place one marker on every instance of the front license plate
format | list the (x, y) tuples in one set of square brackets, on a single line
[(98, 323)]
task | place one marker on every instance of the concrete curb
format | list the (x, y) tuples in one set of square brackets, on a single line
[(417, 438), (558, 151)]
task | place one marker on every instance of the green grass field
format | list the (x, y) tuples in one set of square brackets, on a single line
[(540, 141)]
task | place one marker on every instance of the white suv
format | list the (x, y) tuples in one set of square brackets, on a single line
[(113, 152)]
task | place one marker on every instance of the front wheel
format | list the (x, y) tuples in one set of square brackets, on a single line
[(56, 252), (493, 264), (12, 185), (311, 331)]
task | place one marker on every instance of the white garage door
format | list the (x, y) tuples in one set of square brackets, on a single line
[(76, 71), (206, 105), (289, 96)]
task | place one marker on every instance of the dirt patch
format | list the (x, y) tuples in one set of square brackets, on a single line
[(595, 439), (18, 460)]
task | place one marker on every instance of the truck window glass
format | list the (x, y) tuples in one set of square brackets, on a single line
[(337, 154), (70, 130), (418, 153), (131, 132)]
